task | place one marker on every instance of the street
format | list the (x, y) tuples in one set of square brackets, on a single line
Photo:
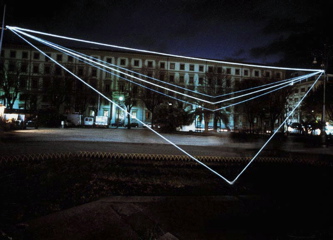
[(61, 140), (34, 141), (273, 200)]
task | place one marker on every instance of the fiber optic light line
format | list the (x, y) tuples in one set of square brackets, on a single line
[(290, 80), (139, 79), (129, 79), (159, 53), (178, 99), (276, 83), (213, 110), (290, 114), (186, 89), (92, 61), (294, 80), (249, 99), (127, 113), (99, 61), (254, 92)]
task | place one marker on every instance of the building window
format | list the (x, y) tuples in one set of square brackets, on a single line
[(150, 64), (11, 67), (228, 83), (34, 83), (181, 79), (219, 70), (12, 54), (35, 69), (278, 75), (107, 88), (228, 70), (80, 71), (59, 57), (210, 69), (24, 55), (256, 73), (201, 80), (191, 80), (36, 56), (201, 68), (23, 82), (121, 87), (172, 65), (70, 59), (47, 70), (191, 67), (136, 63), (246, 72), (47, 57), (171, 78), (24, 67), (94, 72), (147, 115), (58, 71), (122, 61), (109, 60), (134, 114), (182, 66), (162, 65), (237, 71)]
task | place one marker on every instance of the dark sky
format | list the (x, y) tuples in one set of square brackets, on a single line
[(258, 31)]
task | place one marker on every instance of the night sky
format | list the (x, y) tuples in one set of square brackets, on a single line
[(283, 32)]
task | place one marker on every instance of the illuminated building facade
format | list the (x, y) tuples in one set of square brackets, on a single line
[(44, 85)]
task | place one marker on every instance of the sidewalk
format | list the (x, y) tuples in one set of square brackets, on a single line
[(162, 218)]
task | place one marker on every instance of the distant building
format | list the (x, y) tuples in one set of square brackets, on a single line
[(43, 85), (298, 91)]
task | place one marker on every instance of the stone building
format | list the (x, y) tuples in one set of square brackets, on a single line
[(44, 85)]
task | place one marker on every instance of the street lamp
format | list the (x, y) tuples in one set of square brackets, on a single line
[(323, 125), (121, 98)]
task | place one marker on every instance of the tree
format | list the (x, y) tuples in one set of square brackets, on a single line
[(313, 103), (149, 94), (170, 117), (254, 108), (216, 83), (130, 101), (10, 83)]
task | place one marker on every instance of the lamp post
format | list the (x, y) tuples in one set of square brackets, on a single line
[(323, 122), (121, 98)]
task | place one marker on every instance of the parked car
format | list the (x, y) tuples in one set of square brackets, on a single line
[(132, 125), (296, 128), (88, 121), (117, 124)]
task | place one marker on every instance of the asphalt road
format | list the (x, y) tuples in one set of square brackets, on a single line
[(34, 141), (290, 202)]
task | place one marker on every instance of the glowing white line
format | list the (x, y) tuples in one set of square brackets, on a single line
[(159, 53), (255, 156), (92, 62), (127, 113), (116, 70), (281, 83), (173, 144), (168, 89)]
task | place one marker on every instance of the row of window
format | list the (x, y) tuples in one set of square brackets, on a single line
[(82, 71), (140, 63), (35, 82)]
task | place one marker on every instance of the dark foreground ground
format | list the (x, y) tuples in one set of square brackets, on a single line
[(103, 197)]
